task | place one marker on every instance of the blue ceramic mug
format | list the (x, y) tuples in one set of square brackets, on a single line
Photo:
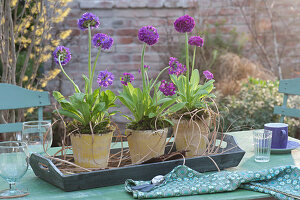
[(279, 134)]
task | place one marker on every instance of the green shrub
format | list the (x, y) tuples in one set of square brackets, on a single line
[(253, 107)]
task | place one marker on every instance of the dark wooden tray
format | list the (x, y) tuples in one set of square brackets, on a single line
[(231, 157)]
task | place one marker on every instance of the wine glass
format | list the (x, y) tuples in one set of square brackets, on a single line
[(13, 165), (37, 135)]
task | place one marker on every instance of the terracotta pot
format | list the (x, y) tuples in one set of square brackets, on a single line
[(91, 152), (189, 137), (147, 144)]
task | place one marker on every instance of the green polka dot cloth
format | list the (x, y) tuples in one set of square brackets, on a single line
[(281, 182)]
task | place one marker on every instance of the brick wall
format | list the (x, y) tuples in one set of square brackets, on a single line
[(122, 19)]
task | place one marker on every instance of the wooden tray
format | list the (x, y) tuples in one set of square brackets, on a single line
[(46, 170)]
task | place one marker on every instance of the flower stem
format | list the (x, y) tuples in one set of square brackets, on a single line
[(142, 67), (194, 55), (94, 67), (62, 69), (158, 76), (89, 59), (187, 67)]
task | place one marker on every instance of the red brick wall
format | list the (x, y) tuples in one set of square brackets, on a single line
[(122, 19)]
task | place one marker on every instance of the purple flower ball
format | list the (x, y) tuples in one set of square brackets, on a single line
[(146, 67), (197, 41), (176, 67), (148, 34), (105, 78), (127, 78), (64, 53), (102, 40), (167, 88), (184, 24), (88, 19), (208, 75)]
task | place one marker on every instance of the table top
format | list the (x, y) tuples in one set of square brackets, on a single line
[(40, 189)]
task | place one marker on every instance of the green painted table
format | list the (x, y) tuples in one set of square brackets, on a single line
[(40, 189)]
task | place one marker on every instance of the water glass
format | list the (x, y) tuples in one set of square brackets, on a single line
[(262, 145), (37, 135), (13, 166)]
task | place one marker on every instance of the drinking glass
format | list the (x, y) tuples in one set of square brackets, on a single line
[(37, 135), (13, 165), (262, 145)]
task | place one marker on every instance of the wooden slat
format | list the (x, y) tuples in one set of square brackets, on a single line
[(15, 97), (287, 111), (13, 127), (290, 86)]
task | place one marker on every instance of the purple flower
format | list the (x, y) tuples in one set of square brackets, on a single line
[(176, 67), (146, 67), (208, 75), (148, 34), (127, 78), (184, 24), (88, 19), (167, 88), (64, 53), (105, 78), (102, 40), (196, 40)]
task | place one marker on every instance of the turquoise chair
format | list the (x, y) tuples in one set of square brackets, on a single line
[(288, 87), (15, 97)]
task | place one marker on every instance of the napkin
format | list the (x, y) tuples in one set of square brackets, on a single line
[(281, 182)]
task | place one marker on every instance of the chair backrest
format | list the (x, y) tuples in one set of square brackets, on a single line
[(288, 87), (15, 97)]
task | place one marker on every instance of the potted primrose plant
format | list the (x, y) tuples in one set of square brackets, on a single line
[(191, 123), (150, 106), (90, 130)]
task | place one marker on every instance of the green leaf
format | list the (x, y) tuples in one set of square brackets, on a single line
[(175, 108), (87, 83), (71, 115), (166, 105), (99, 107), (169, 121), (127, 117), (151, 115), (161, 101), (195, 79), (113, 113), (58, 96)]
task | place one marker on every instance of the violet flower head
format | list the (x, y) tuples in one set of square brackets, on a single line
[(127, 78), (88, 19), (196, 41), (146, 67), (208, 75), (105, 78), (62, 54), (102, 40), (184, 24), (148, 34), (176, 67), (167, 88)]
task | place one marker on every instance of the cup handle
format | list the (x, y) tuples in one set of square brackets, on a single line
[(283, 134)]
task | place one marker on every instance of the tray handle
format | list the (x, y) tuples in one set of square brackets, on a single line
[(43, 166), (230, 140)]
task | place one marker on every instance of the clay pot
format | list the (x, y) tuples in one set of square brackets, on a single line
[(91, 151), (146, 144), (191, 137)]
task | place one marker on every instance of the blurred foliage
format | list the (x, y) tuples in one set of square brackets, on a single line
[(218, 40), (253, 107), (34, 40)]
